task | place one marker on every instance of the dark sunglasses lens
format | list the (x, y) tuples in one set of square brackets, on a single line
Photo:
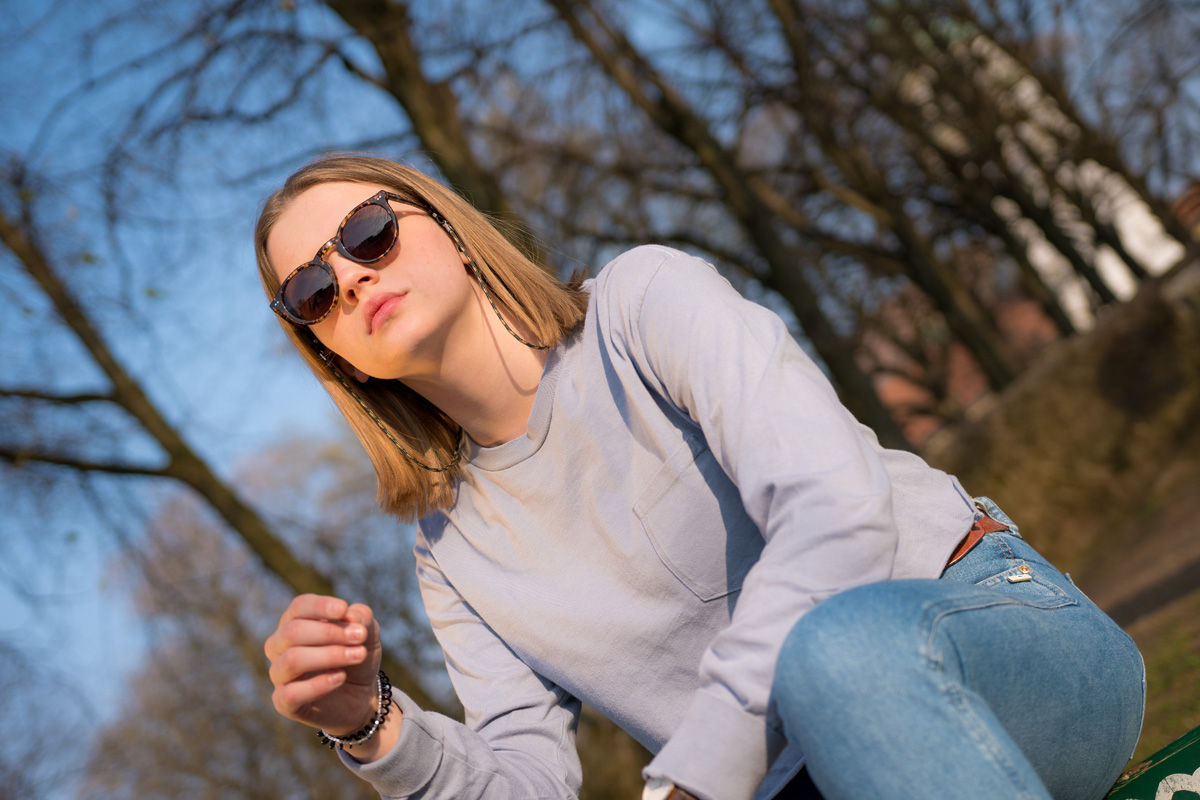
[(309, 294), (369, 233)]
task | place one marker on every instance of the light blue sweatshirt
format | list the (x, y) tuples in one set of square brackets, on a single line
[(689, 486)]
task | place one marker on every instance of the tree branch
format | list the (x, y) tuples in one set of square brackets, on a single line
[(20, 455), (62, 399)]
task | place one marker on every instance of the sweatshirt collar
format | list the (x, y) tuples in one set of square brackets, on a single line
[(513, 452)]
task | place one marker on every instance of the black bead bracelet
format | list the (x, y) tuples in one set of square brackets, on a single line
[(367, 731)]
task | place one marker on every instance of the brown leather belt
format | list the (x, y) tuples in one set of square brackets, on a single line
[(984, 524)]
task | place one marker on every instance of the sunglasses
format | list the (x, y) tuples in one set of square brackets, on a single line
[(367, 234)]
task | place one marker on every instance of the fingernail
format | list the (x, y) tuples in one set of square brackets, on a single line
[(355, 653), (356, 633)]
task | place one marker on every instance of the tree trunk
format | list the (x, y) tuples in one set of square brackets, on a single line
[(968, 321), (183, 463), (432, 107), (651, 93)]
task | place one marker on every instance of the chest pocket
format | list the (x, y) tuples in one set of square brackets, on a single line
[(695, 521)]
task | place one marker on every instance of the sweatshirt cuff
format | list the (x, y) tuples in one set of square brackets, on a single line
[(718, 752), (411, 763)]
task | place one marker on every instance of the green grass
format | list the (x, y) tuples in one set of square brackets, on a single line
[(1170, 643)]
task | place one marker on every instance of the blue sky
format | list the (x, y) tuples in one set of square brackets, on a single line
[(187, 318)]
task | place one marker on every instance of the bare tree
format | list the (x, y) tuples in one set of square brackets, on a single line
[(34, 702), (908, 132), (199, 722)]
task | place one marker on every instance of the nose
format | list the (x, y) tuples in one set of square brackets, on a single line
[(352, 277)]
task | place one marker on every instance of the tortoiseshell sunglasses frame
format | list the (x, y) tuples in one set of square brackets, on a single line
[(318, 261)]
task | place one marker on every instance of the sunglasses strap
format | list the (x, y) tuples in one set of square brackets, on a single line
[(327, 356), (483, 284)]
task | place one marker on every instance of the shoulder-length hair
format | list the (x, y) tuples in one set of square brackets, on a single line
[(527, 294)]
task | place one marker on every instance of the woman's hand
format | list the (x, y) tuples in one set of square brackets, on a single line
[(325, 657)]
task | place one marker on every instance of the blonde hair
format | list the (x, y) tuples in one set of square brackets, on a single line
[(546, 307)]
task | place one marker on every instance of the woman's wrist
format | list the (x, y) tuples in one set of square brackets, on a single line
[(381, 743), (663, 789), (360, 736)]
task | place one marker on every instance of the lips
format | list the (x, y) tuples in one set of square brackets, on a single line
[(378, 308)]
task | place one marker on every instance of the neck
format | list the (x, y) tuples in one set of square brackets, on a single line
[(486, 381)]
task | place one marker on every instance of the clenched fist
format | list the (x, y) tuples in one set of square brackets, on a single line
[(325, 657)]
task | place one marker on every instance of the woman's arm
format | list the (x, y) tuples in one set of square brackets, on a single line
[(808, 474), (519, 737)]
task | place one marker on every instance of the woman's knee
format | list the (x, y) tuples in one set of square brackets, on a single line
[(864, 637)]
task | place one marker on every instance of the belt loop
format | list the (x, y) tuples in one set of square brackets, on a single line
[(989, 520), (991, 510)]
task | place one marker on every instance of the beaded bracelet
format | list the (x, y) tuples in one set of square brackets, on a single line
[(367, 731)]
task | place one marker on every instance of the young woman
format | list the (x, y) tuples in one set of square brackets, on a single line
[(639, 493)]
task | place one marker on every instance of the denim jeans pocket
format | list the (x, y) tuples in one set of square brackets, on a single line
[(1005, 563), (1023, 584)]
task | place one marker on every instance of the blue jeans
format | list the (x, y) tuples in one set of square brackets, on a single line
[(1000, 680)]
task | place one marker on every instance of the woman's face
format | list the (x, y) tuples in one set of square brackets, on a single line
[(394, 318)]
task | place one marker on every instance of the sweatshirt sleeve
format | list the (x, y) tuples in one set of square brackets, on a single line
[(808, 474), (518, 740)]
